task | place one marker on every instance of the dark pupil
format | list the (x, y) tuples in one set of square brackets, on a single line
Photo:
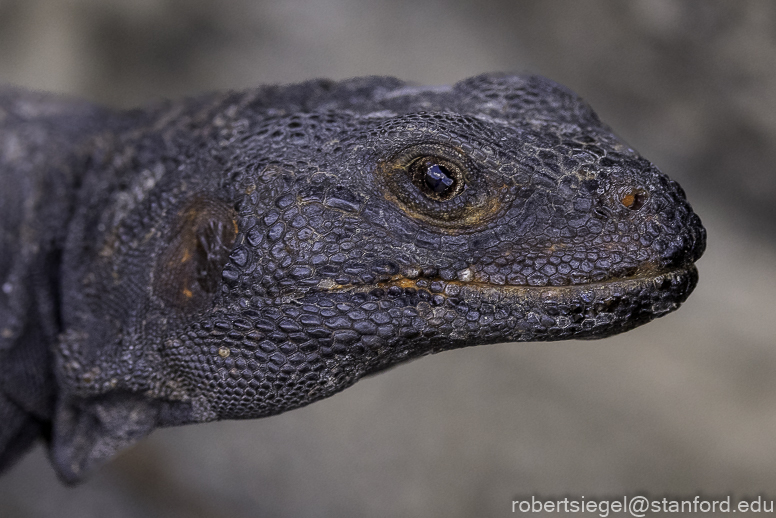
[(437, 178)]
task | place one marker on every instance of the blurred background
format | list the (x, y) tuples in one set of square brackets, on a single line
[(682, 406)]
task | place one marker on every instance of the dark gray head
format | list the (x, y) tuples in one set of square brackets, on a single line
[(270, 248)]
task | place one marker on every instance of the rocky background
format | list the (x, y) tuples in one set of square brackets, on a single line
[(683, 406)]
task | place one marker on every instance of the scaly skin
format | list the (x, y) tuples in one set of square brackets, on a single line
[(239, 255)]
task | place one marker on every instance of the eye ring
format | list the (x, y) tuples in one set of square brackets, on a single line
[(410, 179)]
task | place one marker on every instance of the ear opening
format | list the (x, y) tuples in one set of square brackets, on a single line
[(188, 271)]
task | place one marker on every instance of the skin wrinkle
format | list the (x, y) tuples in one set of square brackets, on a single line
[(238, 255)]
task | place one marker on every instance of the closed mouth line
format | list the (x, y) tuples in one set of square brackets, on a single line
[(402, 282)]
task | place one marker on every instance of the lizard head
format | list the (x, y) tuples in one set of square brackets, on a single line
[(421, 220), (297, 239)]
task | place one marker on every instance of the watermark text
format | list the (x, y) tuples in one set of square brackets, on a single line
[(640, 506)]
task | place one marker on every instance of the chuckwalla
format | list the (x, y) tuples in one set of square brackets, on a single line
[(237, 255)]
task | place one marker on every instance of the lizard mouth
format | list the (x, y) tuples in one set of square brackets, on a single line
[(591, 310), (648, 279)]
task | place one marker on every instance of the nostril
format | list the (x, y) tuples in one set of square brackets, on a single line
[(634, 199)]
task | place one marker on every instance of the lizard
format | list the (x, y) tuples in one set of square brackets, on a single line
[(236, 255)]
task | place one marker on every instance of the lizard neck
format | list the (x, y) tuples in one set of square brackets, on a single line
[(42, 158)]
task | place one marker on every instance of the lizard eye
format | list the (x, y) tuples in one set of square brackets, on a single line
[(439, 184), (436, 177)]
